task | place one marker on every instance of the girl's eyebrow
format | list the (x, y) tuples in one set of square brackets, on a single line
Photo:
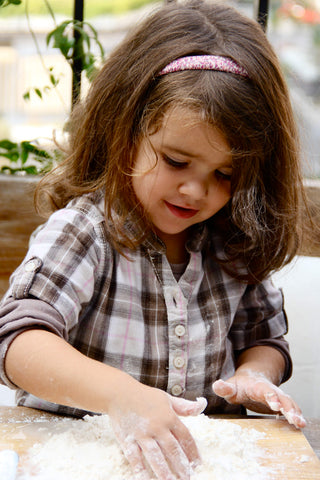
[(180, 151), (187, 153)]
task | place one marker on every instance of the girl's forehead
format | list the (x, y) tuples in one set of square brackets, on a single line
[(184, 115), (183, 126)]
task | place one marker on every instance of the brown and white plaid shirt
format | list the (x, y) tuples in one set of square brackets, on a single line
[(176, 335)]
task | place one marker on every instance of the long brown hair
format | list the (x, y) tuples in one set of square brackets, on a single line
[(260, 225)]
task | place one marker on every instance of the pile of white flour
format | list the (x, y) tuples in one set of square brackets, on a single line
[(87, 450)]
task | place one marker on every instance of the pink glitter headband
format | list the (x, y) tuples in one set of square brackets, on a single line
[(205, 62)]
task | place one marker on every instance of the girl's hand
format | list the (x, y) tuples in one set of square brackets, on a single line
[(152, 437), (257, 393)]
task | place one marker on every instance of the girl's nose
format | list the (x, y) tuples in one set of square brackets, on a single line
[(194, 188)]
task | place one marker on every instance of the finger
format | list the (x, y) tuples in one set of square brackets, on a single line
[(187, 443), (294, 418), (133, 454), (273, 401), (278, 401), (156, 459), (184, 407), (177, 458), (224, 389)]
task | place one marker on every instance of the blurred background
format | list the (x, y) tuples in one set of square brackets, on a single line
[(293, 28), (36, 97)]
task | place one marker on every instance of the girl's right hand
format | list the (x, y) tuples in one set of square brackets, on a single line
[(152, 437)]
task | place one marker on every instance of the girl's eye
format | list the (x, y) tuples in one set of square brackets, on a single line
[(223, 176), (174, 163)]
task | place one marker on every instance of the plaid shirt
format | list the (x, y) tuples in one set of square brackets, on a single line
[(132, 313)]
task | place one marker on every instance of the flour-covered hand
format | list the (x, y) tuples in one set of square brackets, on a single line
[(257, 393), (154, 440)]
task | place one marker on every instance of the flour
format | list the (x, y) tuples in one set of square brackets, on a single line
[(87, 450)]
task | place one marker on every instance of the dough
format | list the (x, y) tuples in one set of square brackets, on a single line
[(87, 450)]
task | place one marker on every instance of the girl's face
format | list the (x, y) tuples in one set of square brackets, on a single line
[(182, 174)]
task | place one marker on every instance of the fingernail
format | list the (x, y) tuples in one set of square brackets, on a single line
[(201, 404), (293, 417), (275, 405)]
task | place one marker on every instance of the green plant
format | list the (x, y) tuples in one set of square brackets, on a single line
[(18, 155), (62, 38), (76, 41)]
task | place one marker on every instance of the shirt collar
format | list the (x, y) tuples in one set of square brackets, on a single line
[(197, 240)]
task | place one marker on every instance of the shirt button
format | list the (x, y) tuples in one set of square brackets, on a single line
[(32, 265), (178, 362), (176, 390), (180, 330)]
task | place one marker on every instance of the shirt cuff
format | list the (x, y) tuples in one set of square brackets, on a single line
[(18, 316)]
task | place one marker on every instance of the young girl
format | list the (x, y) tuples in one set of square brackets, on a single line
[(149, 287)]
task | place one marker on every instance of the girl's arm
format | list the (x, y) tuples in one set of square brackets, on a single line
[(255, 384), (145, 419)]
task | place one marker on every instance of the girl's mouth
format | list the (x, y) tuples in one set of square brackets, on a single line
[(181, 212)]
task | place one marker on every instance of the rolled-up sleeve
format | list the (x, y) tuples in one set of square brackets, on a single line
[(56, 280), (60, 265), (261, 321), (17, 316)]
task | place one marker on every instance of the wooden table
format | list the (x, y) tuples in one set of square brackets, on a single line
[(291, 453), (311, 432)]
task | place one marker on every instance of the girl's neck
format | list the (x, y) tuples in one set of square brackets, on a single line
[(175, 246), (178, 257)]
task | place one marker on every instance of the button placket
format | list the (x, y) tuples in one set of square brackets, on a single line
[(177, 321)]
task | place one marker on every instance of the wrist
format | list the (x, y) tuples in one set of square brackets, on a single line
[(262, 362)]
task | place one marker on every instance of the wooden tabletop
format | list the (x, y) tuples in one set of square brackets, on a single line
[(19, 427), (23, 414), (312, 434), (311, 430)]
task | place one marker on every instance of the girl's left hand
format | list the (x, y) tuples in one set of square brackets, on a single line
[(255, 392)]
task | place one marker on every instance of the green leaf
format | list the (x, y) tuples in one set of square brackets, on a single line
[(5, 169), (24, 156), (96, 39), (12, 156), (8, 145), (38, 92), (28, 146), (31, 170), (26, 96), (54, 80), (6, 3), (61, 39)]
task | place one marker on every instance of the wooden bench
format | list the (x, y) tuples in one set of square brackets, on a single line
[(18, 220)]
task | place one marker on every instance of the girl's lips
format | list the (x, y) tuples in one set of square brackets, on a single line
[(181, 212)]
